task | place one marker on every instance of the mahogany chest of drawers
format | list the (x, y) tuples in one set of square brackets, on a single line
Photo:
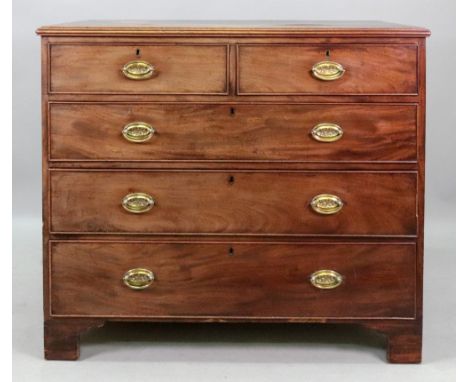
[(233, 173)]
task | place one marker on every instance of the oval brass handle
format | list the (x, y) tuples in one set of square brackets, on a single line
[(326, 279), (328, 70), (138, 70), (326, 204), (138, 278), (137, 202), (138, 132), (327, 132)]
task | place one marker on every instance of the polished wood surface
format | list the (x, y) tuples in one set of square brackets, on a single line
[(232, 28), (286, 69), (204, 280), (210, 132), (257, 203), (62, 337), (179, 69), (233, 169)]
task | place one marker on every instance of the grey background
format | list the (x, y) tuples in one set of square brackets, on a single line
[(235, 353)]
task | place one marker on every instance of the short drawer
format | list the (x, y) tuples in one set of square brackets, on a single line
[(288, 69), (249, 202), (234, 132), (160, 69), (256, 280)]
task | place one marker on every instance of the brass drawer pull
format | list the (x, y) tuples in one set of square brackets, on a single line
[(326, 279), (327, 132), (326, 204), (138, 132), (138, 70), (328, 70), (138, 202), (138, 278)]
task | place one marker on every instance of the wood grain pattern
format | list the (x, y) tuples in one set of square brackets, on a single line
[(179, 69), (262, 71), (231, 28), (204, 279), (370, 69), (250, 202), (235, 132)]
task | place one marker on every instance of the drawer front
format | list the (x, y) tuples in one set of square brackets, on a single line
[(237, 280), (368, 69), (178, 69), (381, 133), (271, 203)]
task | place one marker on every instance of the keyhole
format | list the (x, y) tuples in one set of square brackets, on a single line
[(137, 52), (231, 179), (327, 53), (232, 111), (231, 251)]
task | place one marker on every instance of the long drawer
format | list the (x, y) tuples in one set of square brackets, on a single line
[(249, 202), (262, 280), (328, 69), (151, 69), (259, 132)]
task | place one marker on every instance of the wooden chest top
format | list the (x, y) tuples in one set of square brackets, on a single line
[(233, 27)]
